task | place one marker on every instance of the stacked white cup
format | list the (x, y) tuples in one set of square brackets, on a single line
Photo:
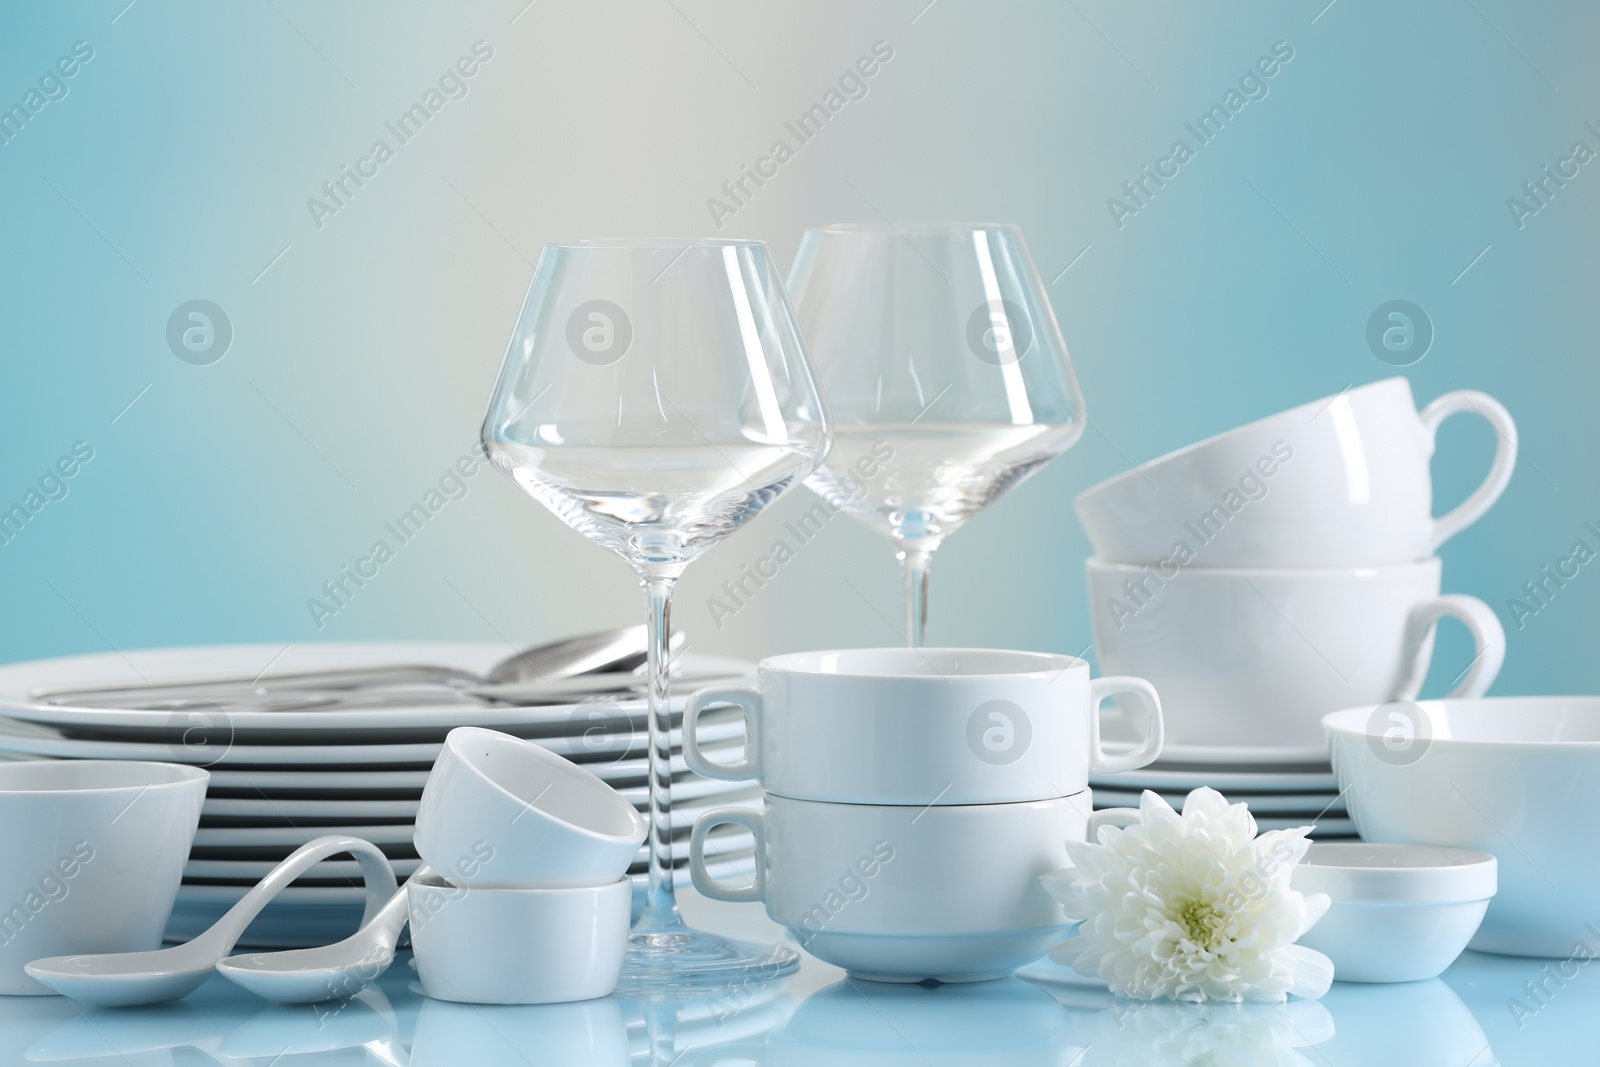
[(913, 797), (525, 898), (1286, 568)]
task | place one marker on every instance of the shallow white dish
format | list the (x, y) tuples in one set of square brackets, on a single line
[(1400, 913), (159, 664), (1162, 779), (1517, 777), (1230, 757), (1260, 803), (35, 740)]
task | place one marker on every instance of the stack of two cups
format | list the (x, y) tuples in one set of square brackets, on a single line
[(524, 897), (1286, 569), (912, 799)]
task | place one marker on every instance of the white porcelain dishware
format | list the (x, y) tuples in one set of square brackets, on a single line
[(91, 855), (1400, 913), (1516, 777), (1256, 656), (328, 972), (1339, 482), (924, 726), (900, 893), (501, 811), (497, 945), (124, 979)]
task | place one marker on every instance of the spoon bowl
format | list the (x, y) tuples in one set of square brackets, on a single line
[(328, 972)]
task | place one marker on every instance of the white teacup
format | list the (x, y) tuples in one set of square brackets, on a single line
[(91, 855), (1254, 657), (924, 725), (899, 893), (487, 945), (501, 811), (1339, 482)]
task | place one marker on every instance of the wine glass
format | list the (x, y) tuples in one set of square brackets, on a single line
[(945, 372), (656, 395)]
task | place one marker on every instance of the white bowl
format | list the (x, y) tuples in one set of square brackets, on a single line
[(91, 855), (483, 945), (1518, 777), (502, 811), (1400, 913)]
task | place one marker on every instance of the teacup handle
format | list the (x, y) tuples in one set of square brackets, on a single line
[(751, 820), (1103, 689), (1099, 820), (1482, 499), (749, 702), (1488, 640)]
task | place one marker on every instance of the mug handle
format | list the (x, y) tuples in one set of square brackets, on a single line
[(1488, 639), (749, 702), (1103, 689), (751, 820), (1491, 410), (1105, 817)]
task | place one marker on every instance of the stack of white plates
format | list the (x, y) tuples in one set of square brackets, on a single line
[(1284, 788), (281, 778)]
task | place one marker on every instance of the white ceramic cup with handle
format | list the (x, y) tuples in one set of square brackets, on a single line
[(924, 725), (91, 856), (1254, 657), (1340, 482), (498, 810), (900, 893)]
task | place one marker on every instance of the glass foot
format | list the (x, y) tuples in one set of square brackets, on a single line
[(665, 958)]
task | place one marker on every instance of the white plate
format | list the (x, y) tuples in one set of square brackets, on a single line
[(1120, 732), (250, 871), (288, 810), (353, 787), (1242, 782), (298, 917), (398, 836), (1260, 803), (32, 739), (160, 664)]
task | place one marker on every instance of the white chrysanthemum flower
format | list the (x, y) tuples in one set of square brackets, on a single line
[(1192, 907)]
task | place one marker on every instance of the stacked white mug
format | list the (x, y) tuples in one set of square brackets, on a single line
[(1286, 568), (912, 799)]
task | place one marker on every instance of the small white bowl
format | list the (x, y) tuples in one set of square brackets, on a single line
[(1400, 913), (501, 811), (482, 945)]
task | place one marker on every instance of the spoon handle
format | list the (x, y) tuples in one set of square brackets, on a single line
[(376, 872)]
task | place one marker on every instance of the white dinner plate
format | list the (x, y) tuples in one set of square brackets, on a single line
[(216, 808), (17, 680), (266, 788), (249, 872), (35, 740), (315, 915), (1260, 803), (1242, 782)]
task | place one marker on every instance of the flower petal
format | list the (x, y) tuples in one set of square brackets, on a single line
[(1311, 972)]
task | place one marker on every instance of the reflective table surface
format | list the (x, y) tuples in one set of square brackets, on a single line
[(1484, 1010)]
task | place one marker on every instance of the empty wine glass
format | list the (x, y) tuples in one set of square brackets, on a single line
[(656, 395), (946, 375)]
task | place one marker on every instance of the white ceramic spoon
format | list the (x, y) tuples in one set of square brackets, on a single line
[(121, 979), (331, 972)]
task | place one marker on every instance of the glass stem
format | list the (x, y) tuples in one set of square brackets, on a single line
[(660, 906), (916, 562)]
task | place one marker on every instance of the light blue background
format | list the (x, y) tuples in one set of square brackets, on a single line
[(179, 165)]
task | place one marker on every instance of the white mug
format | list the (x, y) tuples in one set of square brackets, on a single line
[(1255, 657), (1339, 482), (924, 726), (900, 893), (491, 945), (501, 811), (91, 855)]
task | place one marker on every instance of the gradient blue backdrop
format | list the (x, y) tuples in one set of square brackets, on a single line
[(179, 162)]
